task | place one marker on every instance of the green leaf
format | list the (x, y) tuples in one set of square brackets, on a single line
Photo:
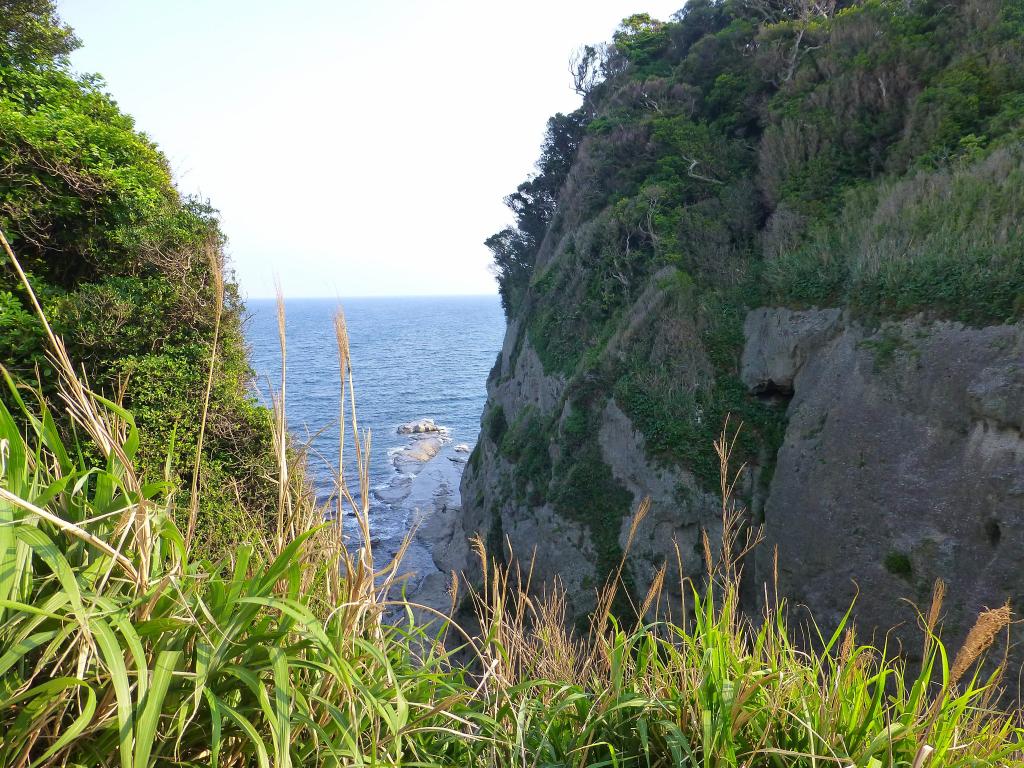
[(152, 706)]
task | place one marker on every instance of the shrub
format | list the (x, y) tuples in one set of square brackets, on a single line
[(946, 242), (898, 564), (495, 424)]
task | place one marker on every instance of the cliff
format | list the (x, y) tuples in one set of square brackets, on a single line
[(803, 218), (902, 463)]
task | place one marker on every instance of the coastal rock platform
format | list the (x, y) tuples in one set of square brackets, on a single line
[(423, 496)]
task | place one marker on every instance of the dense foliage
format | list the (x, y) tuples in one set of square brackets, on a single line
[(131, 275), (862, 154)]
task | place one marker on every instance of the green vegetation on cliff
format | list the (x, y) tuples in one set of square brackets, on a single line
[(864, 155), (130, 274)]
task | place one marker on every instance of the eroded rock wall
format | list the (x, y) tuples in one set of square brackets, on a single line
[(680, 511), (561, 547), (558, 548), (902, 463)]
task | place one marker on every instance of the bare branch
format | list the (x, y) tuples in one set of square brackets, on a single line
[(585, 67), (693, 164)]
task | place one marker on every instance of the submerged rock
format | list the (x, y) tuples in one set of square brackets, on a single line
[(426, 496), (395, 491), (421, 450)]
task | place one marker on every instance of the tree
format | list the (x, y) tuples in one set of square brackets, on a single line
[(796, 17), (31, 33), (513, 254), (533, 203), (130, 275), (637, 25), (640, 40), (585, 68)]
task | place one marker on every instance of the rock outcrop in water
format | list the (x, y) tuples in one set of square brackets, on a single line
[(801, 250), (423, 426)]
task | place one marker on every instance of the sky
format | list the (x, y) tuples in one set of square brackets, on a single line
[(352, 148)]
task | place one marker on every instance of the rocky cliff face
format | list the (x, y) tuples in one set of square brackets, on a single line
[(724, 162), (903, 462), (562, 545)]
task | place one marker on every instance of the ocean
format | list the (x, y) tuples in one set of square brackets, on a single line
[(412, 358)]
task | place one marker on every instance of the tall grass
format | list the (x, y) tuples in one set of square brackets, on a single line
[(119, 646), (946, 242)]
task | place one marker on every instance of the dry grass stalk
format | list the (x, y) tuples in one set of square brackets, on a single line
[(354, 589), (281, 426), (923, 756), (344, 353), (989, 624), (653, 596), (213, 257), (682, 582), (558, 654), (930, 621), (365, 587), (526, 635), (935, 609), (987, 627), (531, 632), (847, 646), (738, 538), (606, 597), (70, 528)]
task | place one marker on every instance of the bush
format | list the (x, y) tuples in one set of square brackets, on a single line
[(944, 242), (495, 425)]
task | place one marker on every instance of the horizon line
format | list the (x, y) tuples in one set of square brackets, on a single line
[(379, 296)]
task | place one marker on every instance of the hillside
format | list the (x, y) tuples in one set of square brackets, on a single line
[(131, 274), (803, 217)]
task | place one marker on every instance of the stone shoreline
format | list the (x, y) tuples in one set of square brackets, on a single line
[(424, 493)]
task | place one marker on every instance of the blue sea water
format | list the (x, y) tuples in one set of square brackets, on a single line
[(412, 358)]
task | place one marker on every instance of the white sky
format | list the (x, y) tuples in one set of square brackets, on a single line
[(353, 148)]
